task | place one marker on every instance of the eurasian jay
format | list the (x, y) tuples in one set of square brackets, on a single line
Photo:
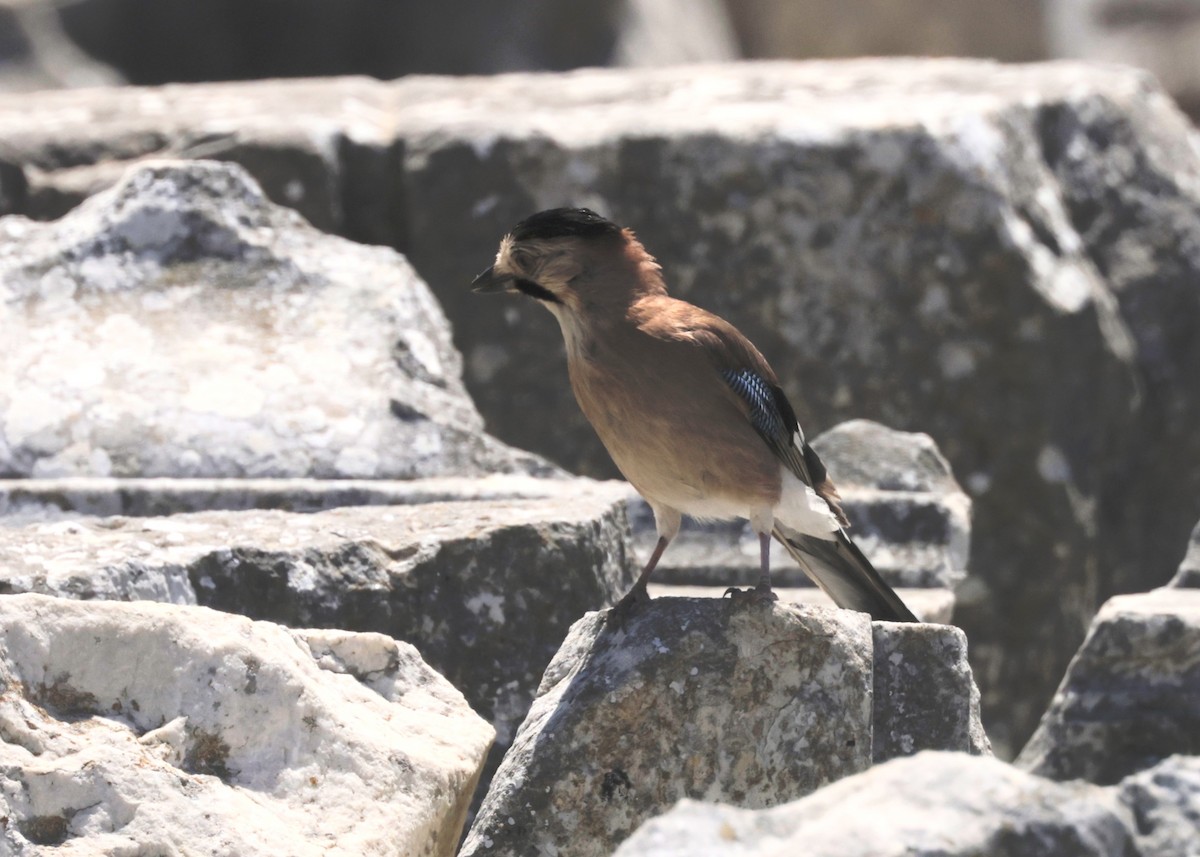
[(687, 407)]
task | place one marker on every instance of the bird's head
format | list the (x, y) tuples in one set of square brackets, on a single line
[(570, 259)]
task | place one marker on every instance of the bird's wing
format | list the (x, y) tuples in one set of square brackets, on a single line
[(756, 389)]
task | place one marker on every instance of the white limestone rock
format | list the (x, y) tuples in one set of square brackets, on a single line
[(179, 324), (149, 728), (929, 805)]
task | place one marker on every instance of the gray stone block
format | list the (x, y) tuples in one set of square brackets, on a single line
[(715, 700), (485, 588), (925, 695), (1131, 696), (1164, 802), (930, 805)]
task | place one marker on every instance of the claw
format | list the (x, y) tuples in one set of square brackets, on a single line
[(761, 594), (624, 610)]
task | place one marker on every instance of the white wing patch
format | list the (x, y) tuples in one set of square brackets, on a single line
[(802, 509)]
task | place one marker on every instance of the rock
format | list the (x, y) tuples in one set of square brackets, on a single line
[(1156, 36), (997, 256), (930, 805), (1012, 32), (129, 727), (36, 54), (908, 515), (12, 187), (707, 699), (24, 501), (925, 695), (1165, 804), (1189, 570), (1131, 696), (1020, 234), (180, 325), (485, 589)]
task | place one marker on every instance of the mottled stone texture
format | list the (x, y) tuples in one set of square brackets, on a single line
[(156, 729), (485, 590), (1000, 256), (24, 501), (180, 325), (925, 695), (931, 805), (709, 699), (1131, 696), (1165, 804)]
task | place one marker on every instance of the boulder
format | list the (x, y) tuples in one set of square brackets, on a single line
[(134, 727), (930, 805), (485, 589), (1165, 804), (714, 700), (925, 696), (1131, 696), (180, 325), (996, 255)]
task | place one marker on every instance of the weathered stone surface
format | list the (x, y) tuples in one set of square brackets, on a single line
[(139, 728), (1188, 574), (708, 699), (998, 256), (486, 590), (180, 325), (925, 695), (1021, 237), (1131, 696), (24, 501), (930, 805), (907, 512), (35, 52), (1165, 804)]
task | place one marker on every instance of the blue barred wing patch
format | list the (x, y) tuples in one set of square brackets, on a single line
[(765, 415)]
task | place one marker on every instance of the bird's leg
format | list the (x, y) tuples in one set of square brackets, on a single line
[(637, 593), (762, 593)]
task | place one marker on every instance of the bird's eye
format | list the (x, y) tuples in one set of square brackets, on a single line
[(521, 258)]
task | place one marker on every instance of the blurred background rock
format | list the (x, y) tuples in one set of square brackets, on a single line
[(71, 43)]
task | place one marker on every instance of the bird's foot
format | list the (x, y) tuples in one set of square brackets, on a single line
[(761, 594), (629, 604)]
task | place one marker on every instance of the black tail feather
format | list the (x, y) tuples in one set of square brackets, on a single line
[(840, 569)]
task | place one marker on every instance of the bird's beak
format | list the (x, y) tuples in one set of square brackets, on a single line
[(489, 282)]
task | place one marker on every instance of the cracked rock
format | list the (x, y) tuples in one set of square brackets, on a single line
[(126, 727), (714, 700), (180, 325)]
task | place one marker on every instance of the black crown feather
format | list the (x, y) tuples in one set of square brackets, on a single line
[(564, 222)]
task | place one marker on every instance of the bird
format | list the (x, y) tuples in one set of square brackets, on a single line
[(689, 410)]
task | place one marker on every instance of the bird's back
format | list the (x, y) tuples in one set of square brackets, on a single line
[(650, 384)]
